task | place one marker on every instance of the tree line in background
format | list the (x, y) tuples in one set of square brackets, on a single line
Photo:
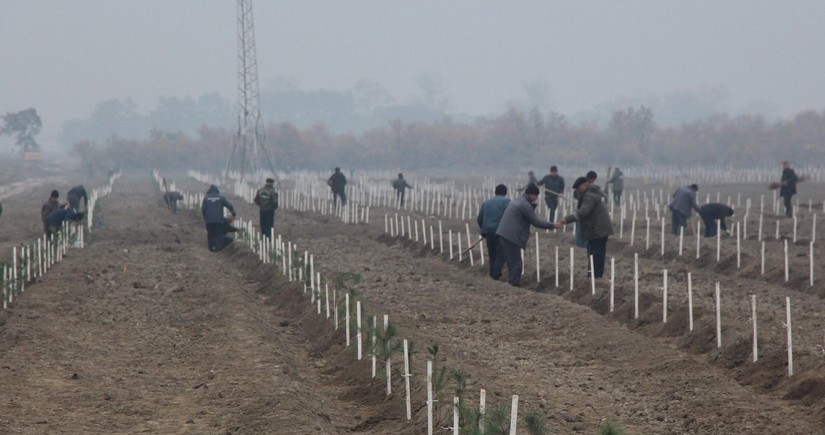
[(514, 138)]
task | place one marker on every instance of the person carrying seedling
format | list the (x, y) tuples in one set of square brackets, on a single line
[(213, 215), (400, 185), (553, 188), (74, 196), (514, 230), (682, 205), (56, 218), (489, 217), (710, 213), (594, 220), (267, 201), (338, 182)]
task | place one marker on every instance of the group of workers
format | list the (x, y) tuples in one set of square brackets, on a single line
[(53, 213), (505, 224)]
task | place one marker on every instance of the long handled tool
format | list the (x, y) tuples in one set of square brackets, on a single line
[(182, 224), (472, 246)]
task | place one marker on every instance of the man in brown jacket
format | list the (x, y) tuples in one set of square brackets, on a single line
[(49, 206), (594, 219)]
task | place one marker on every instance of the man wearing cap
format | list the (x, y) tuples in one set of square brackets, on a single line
[(712, 212), (337, 182), (682, 205), (267, 201), (553, 188), (489, 218), (594, 220), (514, 230), (48, 207)]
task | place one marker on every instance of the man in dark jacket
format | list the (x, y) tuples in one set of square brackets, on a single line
[(787, 187), (489, 217), (267, 201), (74, 196), (514, 230), (338, 182), (682, 205), (47, 208), (400, 185), (212, 210), (594, 219), (617, 180), (56, 218), (553, 188), (710, 213)]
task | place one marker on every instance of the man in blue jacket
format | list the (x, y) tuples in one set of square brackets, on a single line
[(56, 218), (212, 209), (514, 230), (489, 216)]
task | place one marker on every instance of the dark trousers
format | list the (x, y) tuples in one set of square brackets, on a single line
[(617, 198), (788, 205), (339, 195), (399, 197), (267, 218), (495, 254), (214, 236), (552, 204), (580, 242), (678, 220), (710, 225), (512, 255), (598, 249)]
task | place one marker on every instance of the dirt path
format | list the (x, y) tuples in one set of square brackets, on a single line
[(147, 331)]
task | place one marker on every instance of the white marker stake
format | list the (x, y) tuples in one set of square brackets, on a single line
[(633, 228), (538, 265), (335, 304), (663, 237), (467, 227), (763, 257), (718, 318), (482, 409), (664, 296), (407, 377), (388, 362), (681, 240), (557, 267), (481, 251), (429, 398), (441, 240), (698, 239), (612, 282), (753, 320), (326, 298), (738, 247), (460, 251), (647, 234), (690, 301), (635, 285), (456, 428), (451, 243), (358, 336), (571, 268), (760, 227), (786, 261), (790, 336), (718, 241), (346, 316), (372, 349), (811, 255), (514, 415), (592, 277)]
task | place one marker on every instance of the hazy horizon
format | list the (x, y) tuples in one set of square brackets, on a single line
[(62, 58)]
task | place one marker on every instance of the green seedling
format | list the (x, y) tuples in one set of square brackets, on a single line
[(610, 427), (536, 423)]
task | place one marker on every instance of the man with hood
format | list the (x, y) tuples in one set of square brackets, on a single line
[(212, 210), (400, 185), (74, 196), (489, 218), (594, 220), (514, 230), (682, 205), (47, 208)]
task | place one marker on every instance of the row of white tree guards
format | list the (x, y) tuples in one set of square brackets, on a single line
[(32, 260)]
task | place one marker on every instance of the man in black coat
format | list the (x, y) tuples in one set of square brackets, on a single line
[(74, 196), (787, 187), (338, 182), (710, 213), (212, 210)]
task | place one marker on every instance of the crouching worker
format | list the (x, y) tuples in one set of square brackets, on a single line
[(171, 199), (56, 218), (712, 212), (212, 210)]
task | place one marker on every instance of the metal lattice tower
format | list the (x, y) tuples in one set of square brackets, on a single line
[(248, 147)]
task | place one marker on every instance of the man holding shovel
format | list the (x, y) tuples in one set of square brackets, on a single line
[(553, 188)]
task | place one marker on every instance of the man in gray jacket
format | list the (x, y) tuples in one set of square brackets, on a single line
[(594, 220), (684, 201), (514, 230), (489, 217)]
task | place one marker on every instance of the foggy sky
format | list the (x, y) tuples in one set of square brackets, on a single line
[(64, 56)]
